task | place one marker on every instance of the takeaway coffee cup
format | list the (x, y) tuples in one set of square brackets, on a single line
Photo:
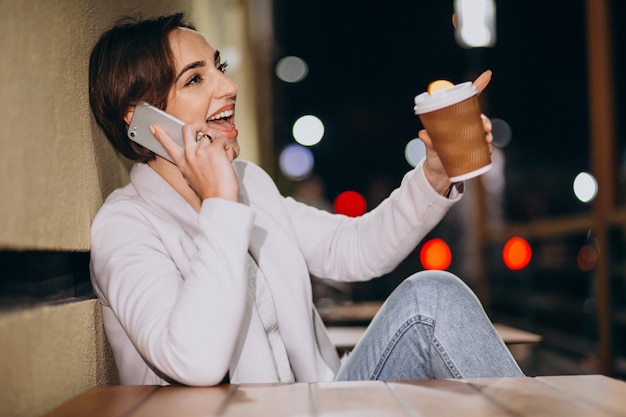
[(452, 118)]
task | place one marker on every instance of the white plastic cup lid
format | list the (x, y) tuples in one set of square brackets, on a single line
[(426, 102)]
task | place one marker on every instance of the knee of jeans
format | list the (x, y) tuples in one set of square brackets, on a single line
[(443, 283)]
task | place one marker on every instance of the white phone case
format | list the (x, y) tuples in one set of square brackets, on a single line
[(146, 115)]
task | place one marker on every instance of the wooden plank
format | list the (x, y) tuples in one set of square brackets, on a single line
[(269, 400), (603, 159), (604, 393), (363, 312), (553, 396), (358, 399), (105, 401), (445, 398), (514, 336), (185, 401), (345, 337), (531, 397)]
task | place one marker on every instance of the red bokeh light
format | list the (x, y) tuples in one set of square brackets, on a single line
[(516, 253), (435, 254), (587, 258), (350, 203)]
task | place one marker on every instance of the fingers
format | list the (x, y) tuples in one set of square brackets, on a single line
[(483, 80), (488, 128), (206, 141), (173, 149), (423, 135), (200, 136), (194, 139), (486, 123), (481, 83), (194, 136)]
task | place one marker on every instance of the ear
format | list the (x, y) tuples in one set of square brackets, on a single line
[(129, 115)]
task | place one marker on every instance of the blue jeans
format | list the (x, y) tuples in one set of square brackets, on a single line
[(431, 326)]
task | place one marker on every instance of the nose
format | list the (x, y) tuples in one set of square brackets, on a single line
[(227, 87)]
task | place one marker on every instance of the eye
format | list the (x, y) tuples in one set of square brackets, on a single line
[(222, 66), (195, 79)]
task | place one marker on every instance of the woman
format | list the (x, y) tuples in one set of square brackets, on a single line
[(203, 268)]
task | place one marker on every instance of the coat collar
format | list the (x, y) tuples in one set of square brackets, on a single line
[(161, 196)]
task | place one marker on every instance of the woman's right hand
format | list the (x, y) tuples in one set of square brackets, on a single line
[(205, 164)]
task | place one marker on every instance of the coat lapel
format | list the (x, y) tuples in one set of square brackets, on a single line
[(285, 269)]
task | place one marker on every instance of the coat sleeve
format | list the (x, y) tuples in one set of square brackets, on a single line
[(159, 308), (357, 249)]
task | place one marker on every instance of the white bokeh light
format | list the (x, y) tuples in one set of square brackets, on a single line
[(502, 133), (585, 187), (232, 56), (296, 162), (308, 130), (291, 69), (494, 179), (476, 36), (414, 151), (475, 23)]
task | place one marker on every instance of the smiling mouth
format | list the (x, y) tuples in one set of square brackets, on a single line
[(222, 116), (225, 122)]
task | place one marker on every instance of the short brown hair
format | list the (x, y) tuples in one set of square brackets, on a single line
[(131, 62)]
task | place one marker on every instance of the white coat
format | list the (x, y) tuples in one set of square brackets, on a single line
[(173, 281)]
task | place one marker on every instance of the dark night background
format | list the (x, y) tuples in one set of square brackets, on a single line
[(368, 59)]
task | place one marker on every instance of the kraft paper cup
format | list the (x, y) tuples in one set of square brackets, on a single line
[(452, 118)]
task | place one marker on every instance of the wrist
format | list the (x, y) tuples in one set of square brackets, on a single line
[(438, 181), (448, 191)]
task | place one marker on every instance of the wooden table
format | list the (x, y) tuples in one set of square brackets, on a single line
[(553, 396), (346, 337), (358, 315)]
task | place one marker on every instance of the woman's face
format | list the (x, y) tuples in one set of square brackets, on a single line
[(201, 90)]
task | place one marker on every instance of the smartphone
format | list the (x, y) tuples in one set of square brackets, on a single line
[(139, 129)]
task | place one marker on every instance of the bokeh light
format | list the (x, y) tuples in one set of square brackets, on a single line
[(435, 254), (585, 187), (414, 151), (350, 203), (296, 162), (516, 253), (291, 69), (232, 55), (502, 133), (587, 258), (494, 180), (308, 130), (474, 22)]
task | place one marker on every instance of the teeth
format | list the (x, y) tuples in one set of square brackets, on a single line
[(222, 115)]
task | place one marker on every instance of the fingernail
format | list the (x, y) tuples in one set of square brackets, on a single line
[(152, 129)]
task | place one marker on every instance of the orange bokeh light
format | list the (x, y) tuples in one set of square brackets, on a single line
[(435, 254), (350, 203), (516, 253)]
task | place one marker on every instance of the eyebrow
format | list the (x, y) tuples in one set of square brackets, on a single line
[(197, 64)]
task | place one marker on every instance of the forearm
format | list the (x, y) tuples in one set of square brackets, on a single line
[(361, 248)]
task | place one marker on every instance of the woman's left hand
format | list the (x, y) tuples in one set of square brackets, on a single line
[(433, 168)]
